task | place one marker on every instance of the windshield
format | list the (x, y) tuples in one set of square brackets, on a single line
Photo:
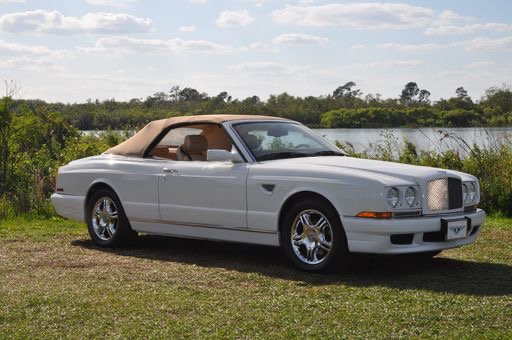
[(278, 140)]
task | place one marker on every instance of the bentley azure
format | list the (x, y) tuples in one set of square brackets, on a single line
[(269, 181)]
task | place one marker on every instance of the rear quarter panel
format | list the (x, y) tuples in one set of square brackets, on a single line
[(135, 181)]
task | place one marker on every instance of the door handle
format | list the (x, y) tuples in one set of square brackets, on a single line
[(169, 171)]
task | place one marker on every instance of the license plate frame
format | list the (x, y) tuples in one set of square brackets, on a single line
[(454, 229)]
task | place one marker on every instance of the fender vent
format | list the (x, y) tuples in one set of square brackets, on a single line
[(268, 187)]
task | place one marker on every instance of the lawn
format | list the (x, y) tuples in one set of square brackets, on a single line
[(56, 283)]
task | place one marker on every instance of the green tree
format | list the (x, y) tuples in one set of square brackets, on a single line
[(498, 99), (6, 106), (346, 91), (409, 92), (462, 93), (424, 97)]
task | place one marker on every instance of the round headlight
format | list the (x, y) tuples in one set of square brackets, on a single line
[(464, 192), (410, 196), (472, 191), (393, 197)]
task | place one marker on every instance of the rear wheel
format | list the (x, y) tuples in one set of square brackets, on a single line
[(107, 223), (313, 238)]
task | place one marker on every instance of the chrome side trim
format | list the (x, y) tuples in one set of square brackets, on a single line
[(211, 226)]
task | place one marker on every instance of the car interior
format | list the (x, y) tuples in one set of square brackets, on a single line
[(191, 142)]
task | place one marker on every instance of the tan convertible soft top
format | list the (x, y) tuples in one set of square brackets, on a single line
[(136, 145)]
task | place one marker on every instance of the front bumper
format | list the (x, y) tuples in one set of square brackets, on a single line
[(366, 235)]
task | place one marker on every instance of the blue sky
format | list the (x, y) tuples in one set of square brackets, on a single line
[(73, 50)]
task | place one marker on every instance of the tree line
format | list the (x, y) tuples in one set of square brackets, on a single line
[(345, 107), (37, 137)]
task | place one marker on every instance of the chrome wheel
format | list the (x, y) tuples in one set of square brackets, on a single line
[(311, 237), (105, 218)]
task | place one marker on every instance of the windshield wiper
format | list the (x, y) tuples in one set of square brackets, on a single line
[(327, 153), (281, 155)]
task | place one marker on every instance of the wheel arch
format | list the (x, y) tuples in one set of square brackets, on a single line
[(297, 197), (94, 187)]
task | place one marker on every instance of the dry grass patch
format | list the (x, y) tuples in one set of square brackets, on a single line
[(56, 283)]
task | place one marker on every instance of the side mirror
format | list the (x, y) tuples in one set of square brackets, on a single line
[(223, 156)]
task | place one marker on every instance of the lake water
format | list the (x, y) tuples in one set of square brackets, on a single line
[(428, 139), (425, 139)]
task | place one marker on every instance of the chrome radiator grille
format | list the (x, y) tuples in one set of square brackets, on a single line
[(438, 194), (444, 194)]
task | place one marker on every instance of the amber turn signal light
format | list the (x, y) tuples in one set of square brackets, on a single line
[(386, 215)]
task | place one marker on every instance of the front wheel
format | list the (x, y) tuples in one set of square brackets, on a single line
[(313, 238), (107, 223)]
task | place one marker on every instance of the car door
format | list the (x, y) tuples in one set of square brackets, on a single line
[(204, 193)]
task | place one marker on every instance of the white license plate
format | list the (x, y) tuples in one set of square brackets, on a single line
[(456, 229)]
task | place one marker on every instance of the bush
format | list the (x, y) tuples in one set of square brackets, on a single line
[(38, 142), (494, 169)]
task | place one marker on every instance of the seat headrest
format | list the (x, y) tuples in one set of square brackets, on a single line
[(195, 144), (252, 141)]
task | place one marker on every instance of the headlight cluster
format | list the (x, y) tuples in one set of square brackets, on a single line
[(469, 192), (408, 194), (393, 197)]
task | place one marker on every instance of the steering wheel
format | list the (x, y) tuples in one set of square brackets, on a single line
[(302, 146)]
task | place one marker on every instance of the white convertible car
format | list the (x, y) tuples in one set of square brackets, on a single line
[(266, 180)]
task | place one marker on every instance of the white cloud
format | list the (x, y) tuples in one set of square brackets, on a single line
[(366, 16), (234, 18), (20, 49), (449, 23), (415, 47), (258, 3), (32, 64), (32, 57), (120, 44), (41, 21), (379, 15), (16, 49), (386, 64), (396, 63), (12, 1), (299, 39), (448, 17), (266, 67), (479, 64), (450, 29), (262, 47), (488, 44), (269, 68), (111, 3), (358, 46), (477, 44), (190, 28), (198, 1)]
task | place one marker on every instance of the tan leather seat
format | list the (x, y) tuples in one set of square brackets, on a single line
[(194, 148)]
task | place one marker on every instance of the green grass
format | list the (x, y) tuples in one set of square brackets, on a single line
[(56, 283)]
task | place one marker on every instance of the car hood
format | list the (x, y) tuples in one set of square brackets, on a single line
[(379, 170)]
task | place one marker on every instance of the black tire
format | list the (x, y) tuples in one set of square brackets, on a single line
[(110, 235), (336, 259)]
